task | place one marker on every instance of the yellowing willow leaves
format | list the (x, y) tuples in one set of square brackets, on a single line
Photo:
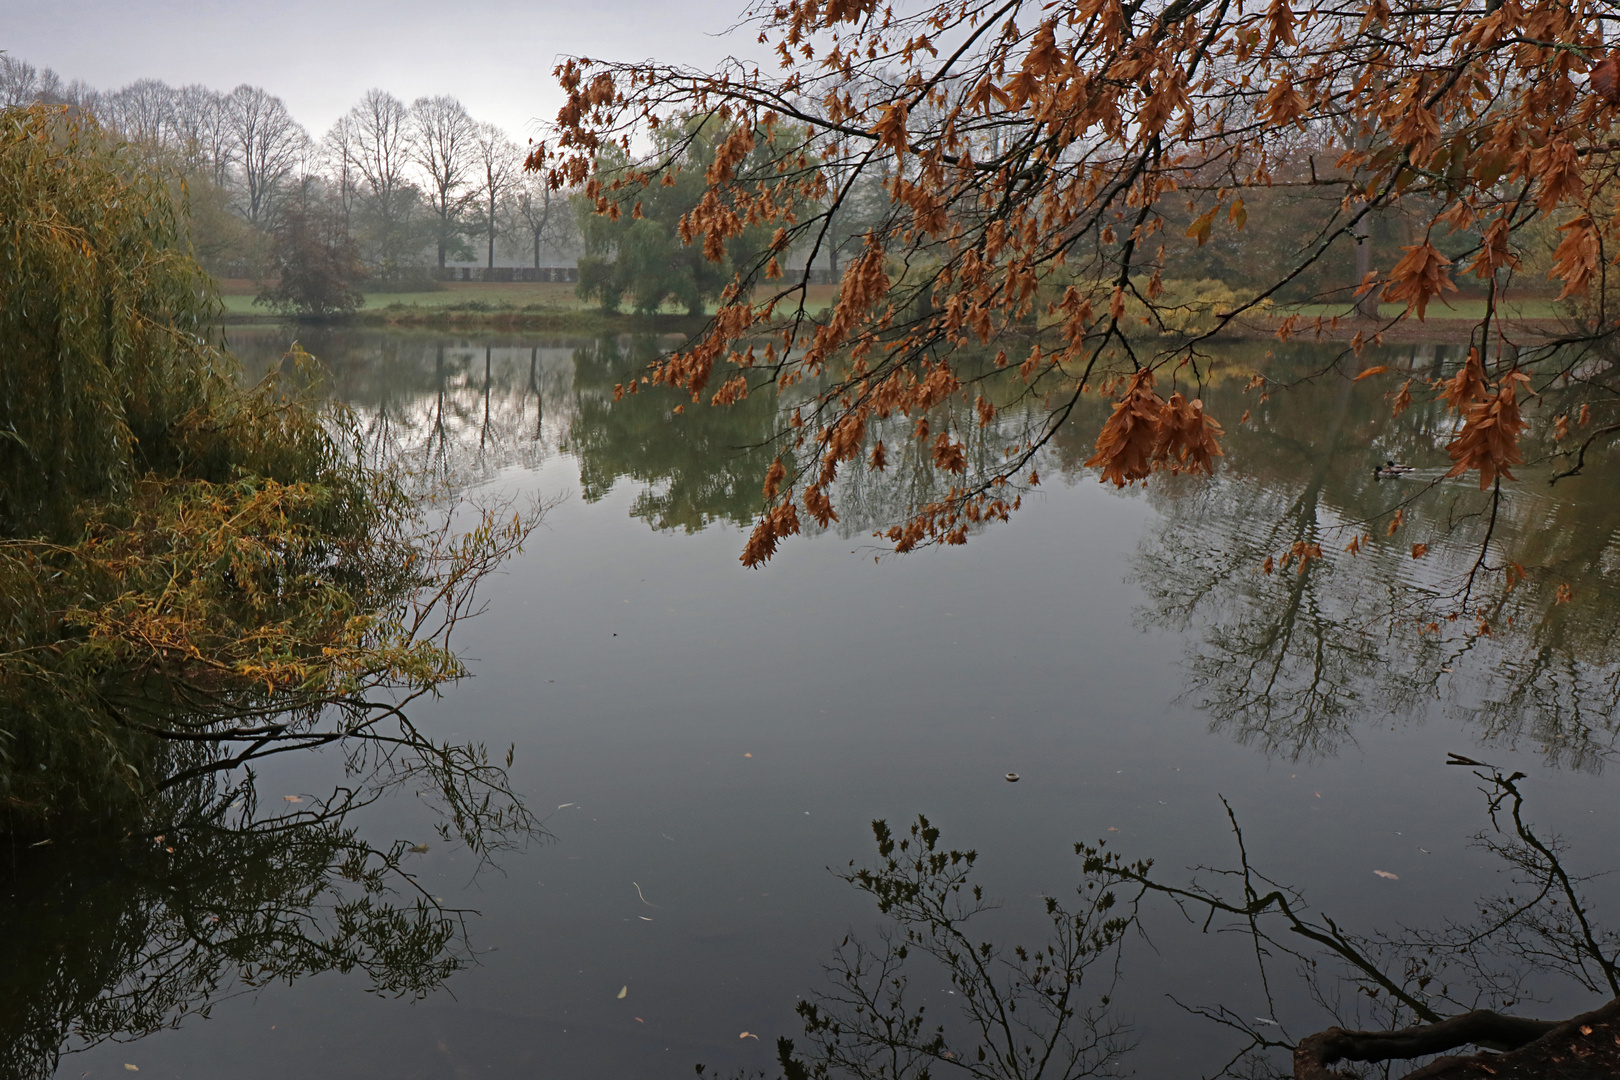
[(1035, 161)]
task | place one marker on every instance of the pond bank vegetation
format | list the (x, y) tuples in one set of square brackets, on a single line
[(198, 574)]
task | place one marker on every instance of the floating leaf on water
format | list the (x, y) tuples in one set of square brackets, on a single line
[(132, 1068), (1012, 778), (623, 992), (644, 918), (1387, 874), (292, 798), (749, 1035), (420, 849), (748, 755), (565, 806)]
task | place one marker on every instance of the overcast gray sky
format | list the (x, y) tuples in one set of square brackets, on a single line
[(321, 55)]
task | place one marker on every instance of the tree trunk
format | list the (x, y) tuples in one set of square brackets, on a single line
[(492, 234), (1585, 1047), (1367, 304)]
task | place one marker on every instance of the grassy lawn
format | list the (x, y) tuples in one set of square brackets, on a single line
[(238, 296), (1459, 309)]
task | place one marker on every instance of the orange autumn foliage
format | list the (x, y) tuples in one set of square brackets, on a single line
[(1489, 439), (1022, 186), (1147, 433)]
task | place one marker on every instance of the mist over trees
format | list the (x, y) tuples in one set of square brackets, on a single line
[(388, 194)]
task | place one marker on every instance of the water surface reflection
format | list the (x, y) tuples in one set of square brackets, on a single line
[(716, 738), (1288, 660)]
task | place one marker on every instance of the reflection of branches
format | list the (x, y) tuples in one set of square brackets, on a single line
[(1023, 1013), (1398, 996), (114, 937), (1448, 983), (1366, 626), (1274, 658)]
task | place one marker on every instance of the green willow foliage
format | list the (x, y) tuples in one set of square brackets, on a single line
[(193, 574), (642, 256), (104, 319)]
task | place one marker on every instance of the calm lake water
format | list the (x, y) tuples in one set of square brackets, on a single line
[(705, 741)]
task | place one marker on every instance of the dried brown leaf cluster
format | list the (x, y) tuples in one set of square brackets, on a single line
[(1147, 433), (1034, 169)]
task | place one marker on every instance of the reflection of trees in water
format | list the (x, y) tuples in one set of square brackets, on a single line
[(455, 409), (1306, 989), (701, 465), (707, 463), (115, 934), (1293, 660), (1289, 662), (144, 883)]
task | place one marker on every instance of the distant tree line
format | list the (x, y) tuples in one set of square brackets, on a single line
[(391, 190)]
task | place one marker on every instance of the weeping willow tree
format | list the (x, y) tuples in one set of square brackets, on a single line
[(194, 573)]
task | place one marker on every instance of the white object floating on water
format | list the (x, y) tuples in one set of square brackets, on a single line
[(623, 990)]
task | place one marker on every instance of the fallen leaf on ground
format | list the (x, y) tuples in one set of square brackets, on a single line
[(1387, 874), (623, 990)]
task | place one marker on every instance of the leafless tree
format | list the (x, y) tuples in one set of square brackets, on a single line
[(19, 82), (445, 147), (337, 157), (500, 164), (543, 214), (202, 129), (268, 144), (142, 112), (381, 129)]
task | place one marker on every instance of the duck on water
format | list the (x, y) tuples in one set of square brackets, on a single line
[(1390, 469)]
